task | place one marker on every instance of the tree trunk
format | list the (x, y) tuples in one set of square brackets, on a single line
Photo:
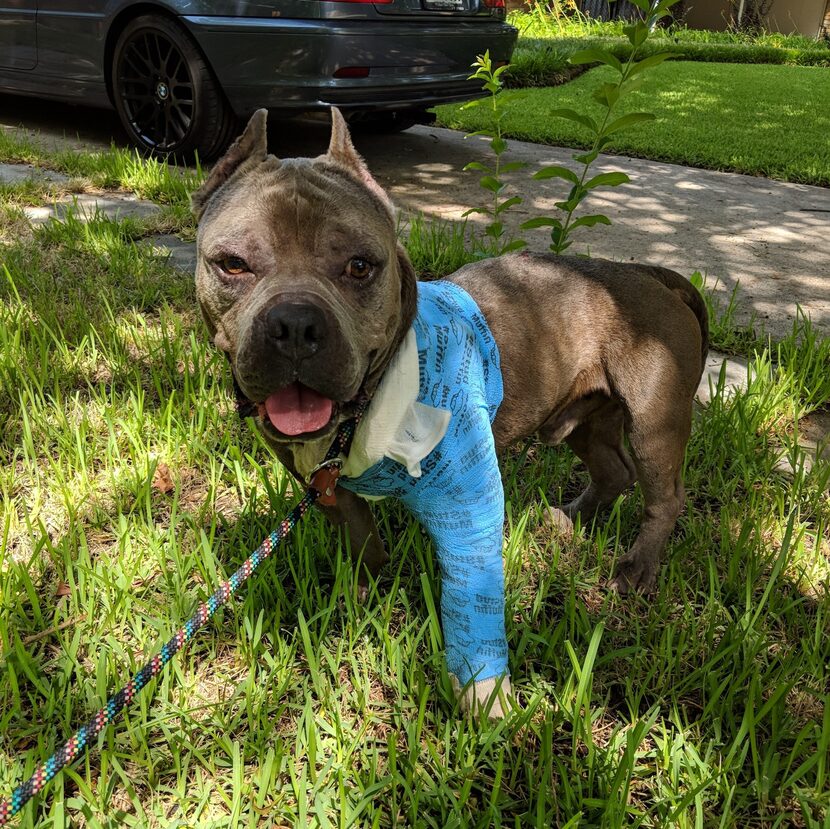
[(750, 15), (604, 10)]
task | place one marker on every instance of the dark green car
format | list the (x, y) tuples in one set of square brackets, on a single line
[(181, 73)]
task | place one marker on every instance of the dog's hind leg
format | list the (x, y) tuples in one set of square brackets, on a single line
[(658, 441), (598, 442), (353, 517)]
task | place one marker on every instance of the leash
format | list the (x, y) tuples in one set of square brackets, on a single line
[(321, 488)]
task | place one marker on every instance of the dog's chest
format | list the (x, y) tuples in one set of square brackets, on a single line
[(448, 403)]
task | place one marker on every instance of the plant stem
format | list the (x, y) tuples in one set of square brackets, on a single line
[(595, 147)]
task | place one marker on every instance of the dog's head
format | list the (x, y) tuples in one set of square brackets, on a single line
[(301, 279)]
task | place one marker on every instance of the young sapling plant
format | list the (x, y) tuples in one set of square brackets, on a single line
[(608, 95), (492, 180)]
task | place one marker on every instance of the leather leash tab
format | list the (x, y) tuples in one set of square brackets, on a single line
[(324, 480)]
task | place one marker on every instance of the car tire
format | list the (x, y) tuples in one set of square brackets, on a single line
[(165, 93)]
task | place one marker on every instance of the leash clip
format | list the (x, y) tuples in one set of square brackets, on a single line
[(324, 480)]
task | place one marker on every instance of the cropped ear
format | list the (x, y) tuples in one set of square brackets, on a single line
[(249, 149), (341, 151)]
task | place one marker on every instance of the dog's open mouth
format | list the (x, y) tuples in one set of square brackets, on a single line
[(297, 410)]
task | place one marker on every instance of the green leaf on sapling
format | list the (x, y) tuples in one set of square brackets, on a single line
[(606, 180), (476, 165), (590, 221), (629, 120), (490, 183), (573, 115), (556, 171), (541, 221), (507, 204), (595, 56)]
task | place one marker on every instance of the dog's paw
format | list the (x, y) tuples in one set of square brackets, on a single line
[(559, 523), (490, 696), (634, 573)]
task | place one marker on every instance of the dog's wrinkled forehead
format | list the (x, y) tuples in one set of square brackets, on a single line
[(297, 194), (310, 204)]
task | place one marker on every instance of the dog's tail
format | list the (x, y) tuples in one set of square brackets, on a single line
[(691, 296)]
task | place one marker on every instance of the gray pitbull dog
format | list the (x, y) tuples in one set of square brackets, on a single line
[(304, 285)]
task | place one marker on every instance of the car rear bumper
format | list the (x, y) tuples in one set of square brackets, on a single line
[(291, 64)]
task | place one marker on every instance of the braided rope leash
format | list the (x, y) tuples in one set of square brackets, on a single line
[(321, 489)]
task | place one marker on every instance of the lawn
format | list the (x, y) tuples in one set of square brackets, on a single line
[(759, 119), (692, 44), (128, 488), (546, 41)]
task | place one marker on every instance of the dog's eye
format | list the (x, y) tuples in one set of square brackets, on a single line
[(359, 268), (233, 265)]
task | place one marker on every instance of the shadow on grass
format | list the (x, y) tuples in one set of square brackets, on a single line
[(708, 651)]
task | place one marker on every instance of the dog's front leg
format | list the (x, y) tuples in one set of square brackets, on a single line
[(472, 614), (353, 517), (466, 524), (354, 520)]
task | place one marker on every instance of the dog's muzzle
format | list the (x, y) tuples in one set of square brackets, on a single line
[(296, 367)]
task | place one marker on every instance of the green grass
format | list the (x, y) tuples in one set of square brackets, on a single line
[(705, 706), (115, 169), (540, 24), (438, 247), (763, 120), (546, 42), (538, 62)]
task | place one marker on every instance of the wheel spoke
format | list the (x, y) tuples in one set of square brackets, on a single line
[(150, 108), (160, 131), (143, 122), (174, 75), (142, 98), (186, 109), (167, 126), (131, 56), (178, 124), (182, 91), (137, 75), (159, 59), (143, 47), (164, 46)]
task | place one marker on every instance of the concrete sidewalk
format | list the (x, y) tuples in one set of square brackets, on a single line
[(771, 238)]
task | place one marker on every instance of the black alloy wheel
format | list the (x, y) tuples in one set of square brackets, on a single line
[(166, 95)]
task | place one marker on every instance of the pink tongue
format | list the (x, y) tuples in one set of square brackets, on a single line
[(297, 409)]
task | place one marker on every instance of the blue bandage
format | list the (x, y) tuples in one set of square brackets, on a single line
[(458, 497)]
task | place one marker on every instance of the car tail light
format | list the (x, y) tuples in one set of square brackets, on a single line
[(497, 7)]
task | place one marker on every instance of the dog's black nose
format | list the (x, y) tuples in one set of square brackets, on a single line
[(296, 328)]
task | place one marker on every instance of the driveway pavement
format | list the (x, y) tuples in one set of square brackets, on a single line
[(770, 238)]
